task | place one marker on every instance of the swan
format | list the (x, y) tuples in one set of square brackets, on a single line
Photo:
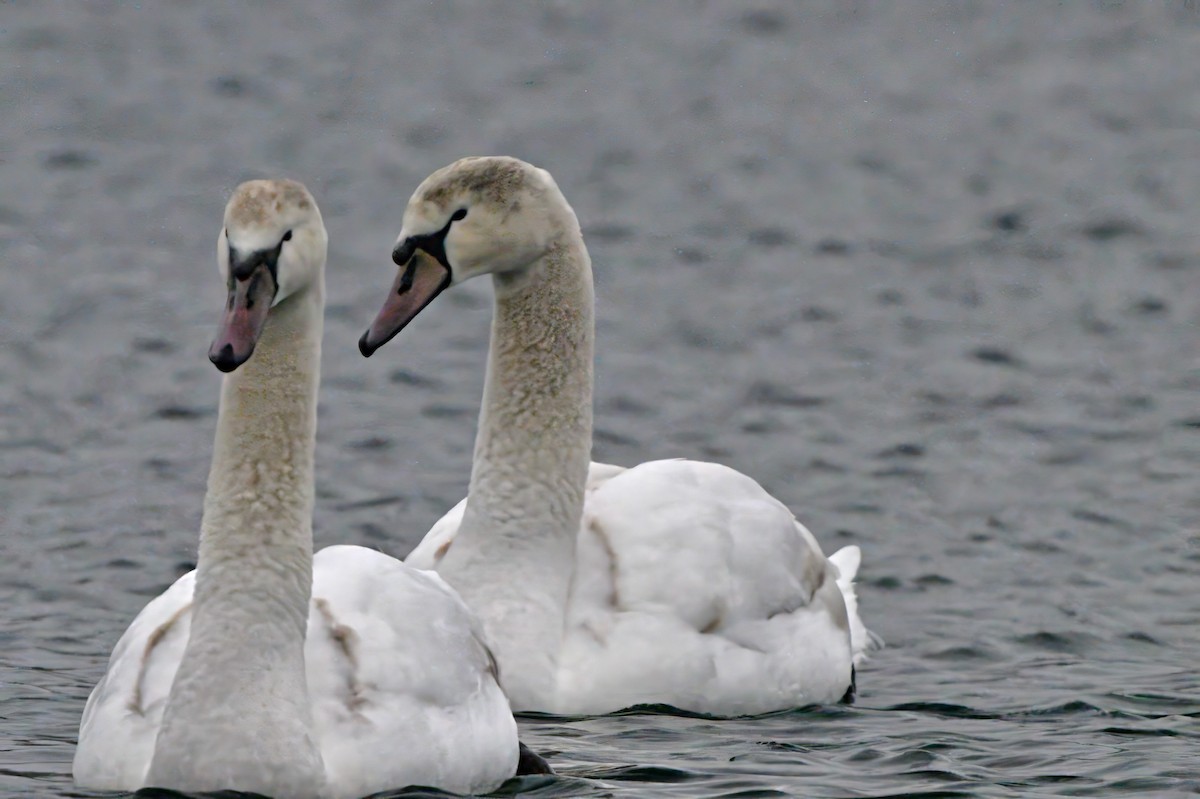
[(601, 587), (267, 669)]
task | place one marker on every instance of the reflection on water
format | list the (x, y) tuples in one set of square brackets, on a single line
[(927, 272)]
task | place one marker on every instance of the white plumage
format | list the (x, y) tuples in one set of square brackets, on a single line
[(400, 683), (694, 587), (267, 669), (600, 587)]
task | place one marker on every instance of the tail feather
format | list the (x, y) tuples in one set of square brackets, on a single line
[(847, 560)]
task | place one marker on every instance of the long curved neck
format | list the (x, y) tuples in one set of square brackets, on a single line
[(513, 557), (242, 678), (256, 533)]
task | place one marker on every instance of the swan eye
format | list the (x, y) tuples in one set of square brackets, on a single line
[(287, 236), (461, 213)]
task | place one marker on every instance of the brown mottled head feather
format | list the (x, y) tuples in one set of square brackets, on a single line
[(257, 201), (498, 180)]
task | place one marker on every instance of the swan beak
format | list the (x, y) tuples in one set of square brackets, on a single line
[(421, 279), (246, 310)]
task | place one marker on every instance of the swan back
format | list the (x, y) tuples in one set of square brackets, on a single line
[(696, 588)]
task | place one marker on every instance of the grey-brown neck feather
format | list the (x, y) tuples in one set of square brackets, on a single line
[(512, 559), (256, 533)]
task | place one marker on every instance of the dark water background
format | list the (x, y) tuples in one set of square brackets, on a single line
[(929, 271)]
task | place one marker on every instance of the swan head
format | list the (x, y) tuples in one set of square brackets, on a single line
[(493, 215), (271, 247)]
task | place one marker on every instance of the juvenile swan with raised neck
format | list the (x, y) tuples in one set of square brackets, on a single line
[(268, 670), (675, 582)]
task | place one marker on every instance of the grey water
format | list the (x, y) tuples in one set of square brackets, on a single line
[(928, 271)]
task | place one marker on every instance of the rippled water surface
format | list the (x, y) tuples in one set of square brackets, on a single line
[(928, 271)]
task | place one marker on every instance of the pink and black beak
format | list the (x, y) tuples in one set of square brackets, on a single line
[(424, 274), (253, 281)]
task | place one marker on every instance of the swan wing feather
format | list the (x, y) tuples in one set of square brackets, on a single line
[(695, 587), (403, 688), (124, 711)]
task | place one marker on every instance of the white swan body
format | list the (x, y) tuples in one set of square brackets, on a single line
[(675, 582), (268, 669), (386, 688), (694, 588)]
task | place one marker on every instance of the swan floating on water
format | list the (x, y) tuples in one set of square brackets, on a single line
[(600, 587), (267, 669)]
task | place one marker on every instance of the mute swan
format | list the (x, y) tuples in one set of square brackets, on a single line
[(600, 587), (266, 669)]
